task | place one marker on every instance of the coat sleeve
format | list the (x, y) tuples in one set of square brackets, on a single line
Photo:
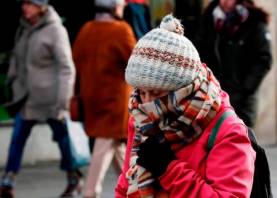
[(12, 72), (122, 183), (128, 41), (78, 54), (229, 170), (65, 66), (261, 60)]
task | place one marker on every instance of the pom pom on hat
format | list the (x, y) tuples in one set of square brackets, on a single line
[(172, 24), (163, 59)]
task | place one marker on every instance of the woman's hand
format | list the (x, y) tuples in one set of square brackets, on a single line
[(155, 156)]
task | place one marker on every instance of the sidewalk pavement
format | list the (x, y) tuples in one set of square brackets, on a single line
[(46, 181)]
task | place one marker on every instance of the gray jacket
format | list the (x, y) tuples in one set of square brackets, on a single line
[(42, 67)]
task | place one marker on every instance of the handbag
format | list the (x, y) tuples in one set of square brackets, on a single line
[(76, 108), (79, 143)]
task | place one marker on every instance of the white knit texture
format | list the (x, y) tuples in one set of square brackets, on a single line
[(155, 64)]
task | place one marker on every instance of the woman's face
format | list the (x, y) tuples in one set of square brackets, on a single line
[(30, 11), (227, 5), (150, 95)]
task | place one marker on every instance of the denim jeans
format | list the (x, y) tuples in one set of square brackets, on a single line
[(21, 132)]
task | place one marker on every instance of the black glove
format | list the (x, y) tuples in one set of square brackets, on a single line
[(155, 156)]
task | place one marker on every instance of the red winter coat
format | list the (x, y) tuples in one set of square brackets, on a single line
[(227, 171)]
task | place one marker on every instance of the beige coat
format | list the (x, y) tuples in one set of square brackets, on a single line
[(42, 67)]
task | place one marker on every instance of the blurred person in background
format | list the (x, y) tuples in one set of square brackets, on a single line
[(42, 75), (100, 52), (234, 41), (137, 14)]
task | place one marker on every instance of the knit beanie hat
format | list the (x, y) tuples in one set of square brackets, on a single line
[(108, 3), (38, 2), (163, 59)]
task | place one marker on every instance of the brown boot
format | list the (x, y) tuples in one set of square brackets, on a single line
[(74, 185)]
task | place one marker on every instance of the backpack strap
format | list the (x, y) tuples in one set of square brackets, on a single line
[(261, 183), (216, 129)]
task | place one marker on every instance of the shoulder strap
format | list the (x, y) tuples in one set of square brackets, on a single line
[(216, 129), (262, 183)]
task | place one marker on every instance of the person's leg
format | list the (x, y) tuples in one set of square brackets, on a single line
[(61, 136), (120, 148), (103, 152), (91, 143), (21, 132)]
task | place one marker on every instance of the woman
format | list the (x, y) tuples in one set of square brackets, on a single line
[(176, 103), (42, 76)]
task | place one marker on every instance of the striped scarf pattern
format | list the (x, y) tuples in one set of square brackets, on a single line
[(179, 118)]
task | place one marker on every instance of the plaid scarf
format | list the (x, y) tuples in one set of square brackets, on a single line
[(179, 118)]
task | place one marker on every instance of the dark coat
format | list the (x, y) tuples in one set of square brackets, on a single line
[(138, 17), (239, 62)]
